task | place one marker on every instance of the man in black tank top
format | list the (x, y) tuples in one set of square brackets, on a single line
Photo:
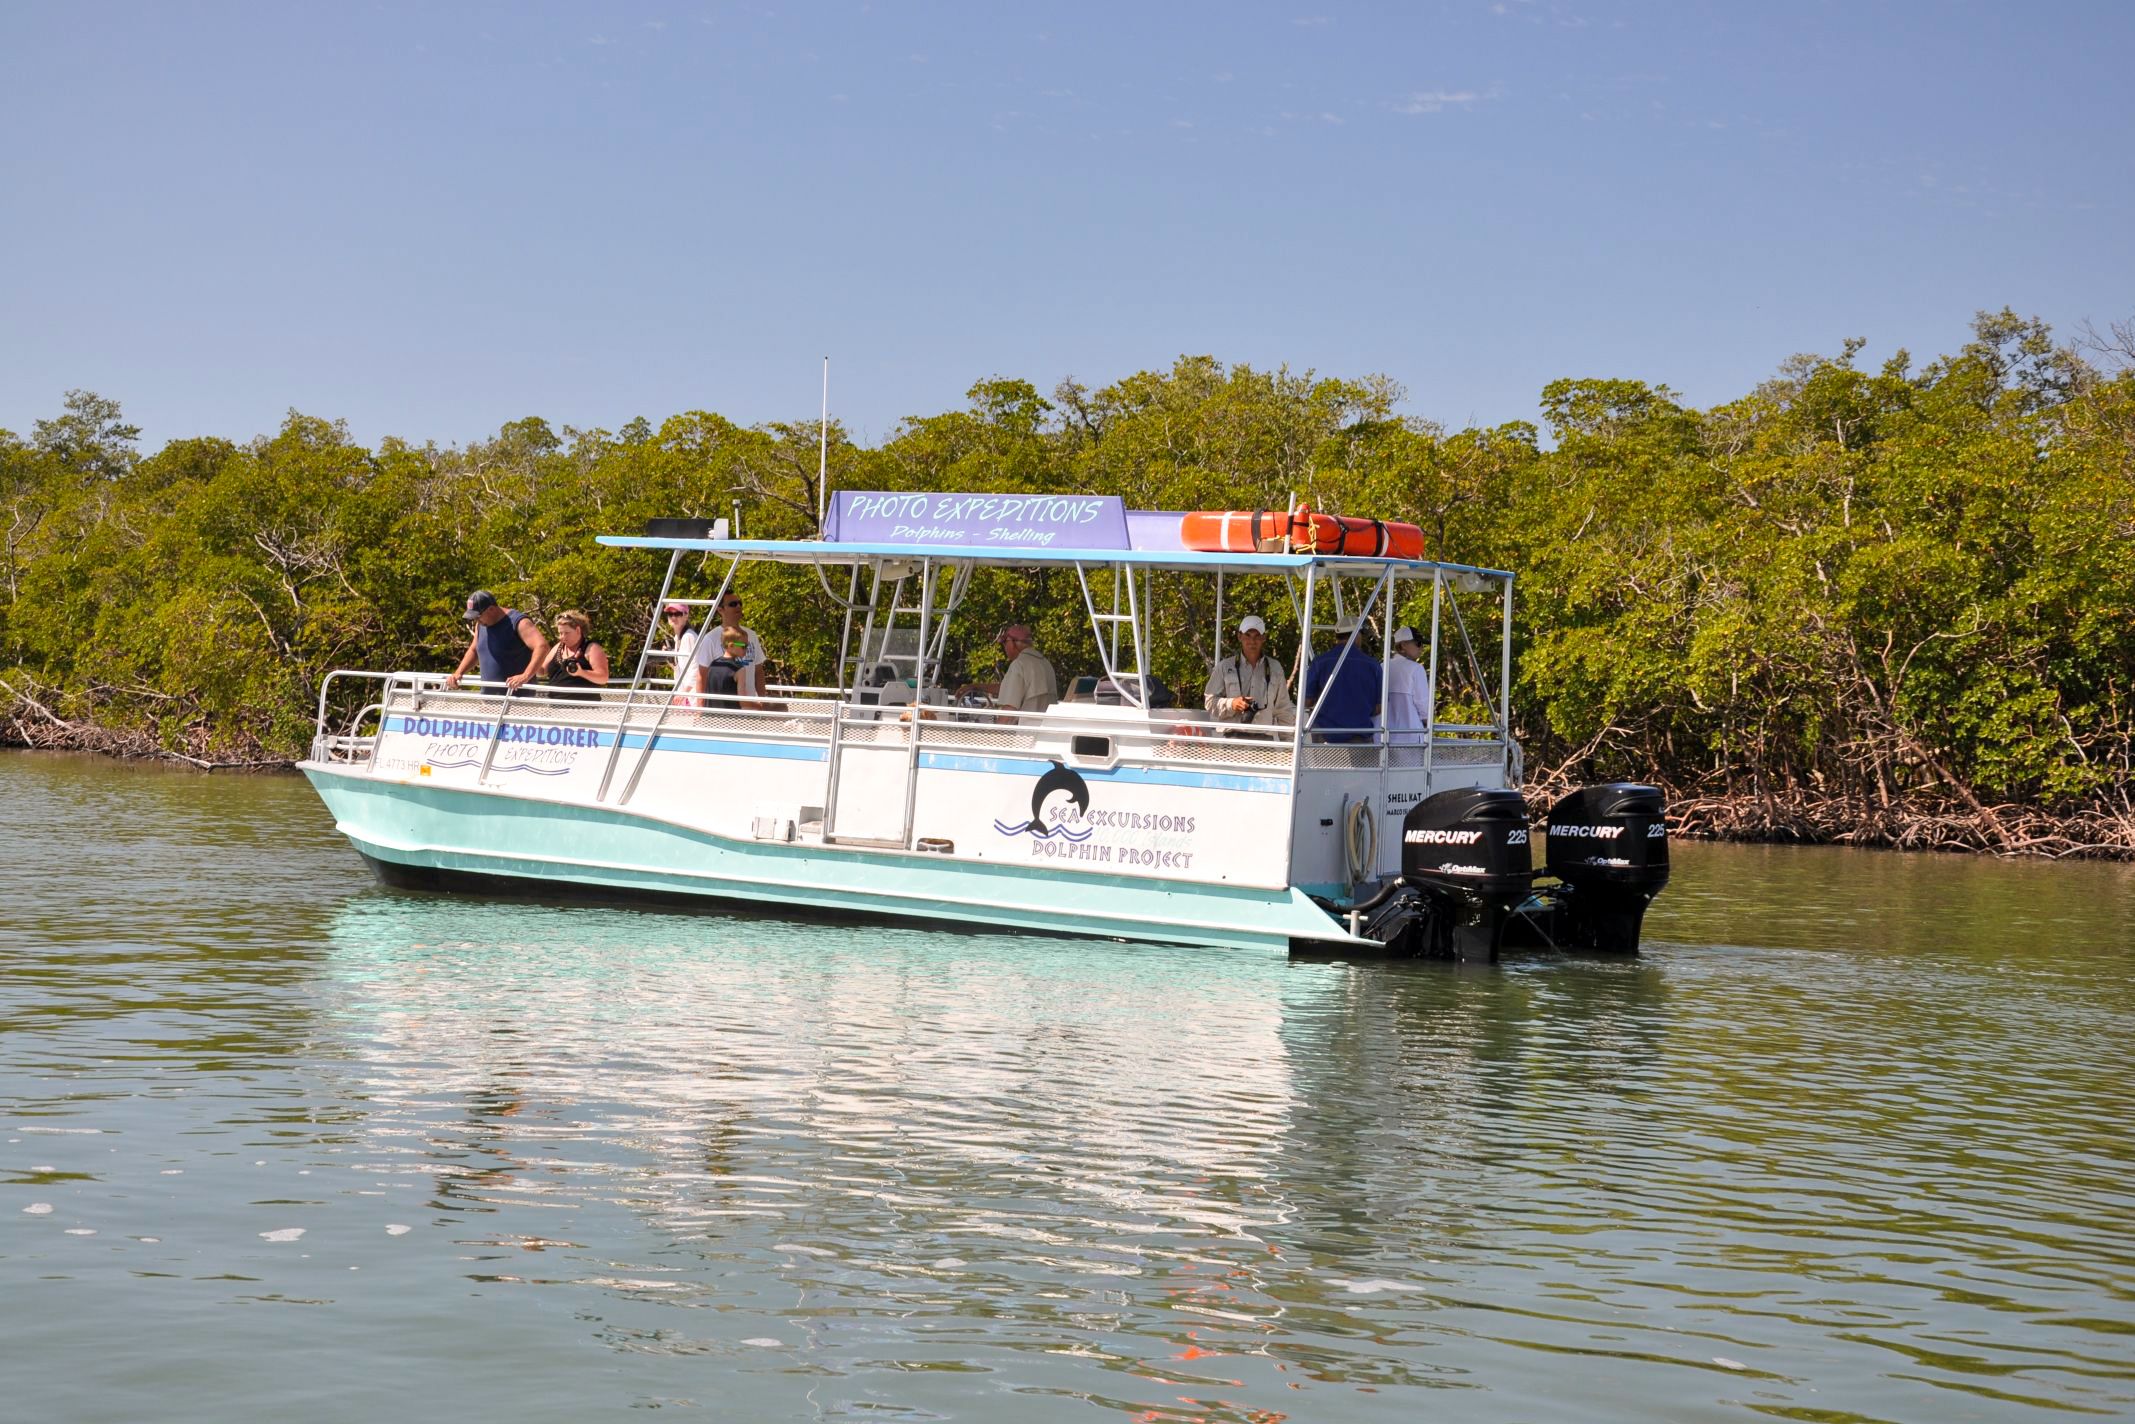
[(508, 645)]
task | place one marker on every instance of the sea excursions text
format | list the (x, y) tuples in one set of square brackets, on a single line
[(1166, 850)]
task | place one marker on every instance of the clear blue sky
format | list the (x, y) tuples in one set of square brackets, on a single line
[(431, 219)]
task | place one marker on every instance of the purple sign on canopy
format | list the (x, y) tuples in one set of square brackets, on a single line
[(980, 521)]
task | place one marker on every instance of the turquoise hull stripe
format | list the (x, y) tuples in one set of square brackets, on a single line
[(488, 833)]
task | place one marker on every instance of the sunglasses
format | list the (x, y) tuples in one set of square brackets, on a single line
[(731, 603)]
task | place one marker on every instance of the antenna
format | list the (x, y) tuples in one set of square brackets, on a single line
[(822, 458)]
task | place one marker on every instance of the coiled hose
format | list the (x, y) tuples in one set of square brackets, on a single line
[(1360, 840)]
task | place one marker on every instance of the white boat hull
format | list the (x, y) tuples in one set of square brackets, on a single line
[(442, 833)]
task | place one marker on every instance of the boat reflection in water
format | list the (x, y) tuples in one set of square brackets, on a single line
[(923, 1165), (1118, 1152), (730, 1070)]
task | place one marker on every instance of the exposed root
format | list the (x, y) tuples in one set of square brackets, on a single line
[(26, 720), (1918, 822), (1925, 819)]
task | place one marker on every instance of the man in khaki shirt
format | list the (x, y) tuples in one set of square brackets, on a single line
[(1250, 689), (1029, 684)]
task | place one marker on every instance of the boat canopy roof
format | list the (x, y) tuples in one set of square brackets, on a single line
[(825, 551), (1009, 531)]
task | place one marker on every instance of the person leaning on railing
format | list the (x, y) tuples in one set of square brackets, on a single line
[(508, 644), (1250, 688)]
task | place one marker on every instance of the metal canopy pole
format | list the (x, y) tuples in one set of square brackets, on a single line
[(1475, 667), (959, 585), (1104, 628), (867, 629), (1348, 644), (666, 706), (496, 734), (1216, 652), (845, 633), (1386, 662), (1504, 684), (1430, 711), (630, 696), (919, 699), (1140, 635), (1304, 659), (666, 586)]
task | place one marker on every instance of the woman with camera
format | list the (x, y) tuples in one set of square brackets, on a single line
[(576, 667)]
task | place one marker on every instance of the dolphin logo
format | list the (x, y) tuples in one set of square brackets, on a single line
[(1060, 778)]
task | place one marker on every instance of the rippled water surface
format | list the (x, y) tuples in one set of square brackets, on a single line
[(1850, 1141)]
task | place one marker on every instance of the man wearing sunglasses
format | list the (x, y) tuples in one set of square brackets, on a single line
[(729, 642)]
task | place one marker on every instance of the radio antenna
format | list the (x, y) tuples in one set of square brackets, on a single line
[(822, 458)]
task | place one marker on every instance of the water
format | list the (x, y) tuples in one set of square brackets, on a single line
[(1849, 1142)]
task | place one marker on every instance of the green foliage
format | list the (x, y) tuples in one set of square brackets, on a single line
[(1865, 585)]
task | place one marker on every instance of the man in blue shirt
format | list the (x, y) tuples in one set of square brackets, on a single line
[(1350, 700), (507, 644)]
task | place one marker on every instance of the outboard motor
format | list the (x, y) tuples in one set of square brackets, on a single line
[(1466, 854), (1609, 845)]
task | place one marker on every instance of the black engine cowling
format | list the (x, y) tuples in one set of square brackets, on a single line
[(1609, 845), (1467, 852)]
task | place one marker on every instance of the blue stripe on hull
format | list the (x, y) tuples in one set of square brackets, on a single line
[(1142, 775), (483, 833), (676, 741), (669, 741)]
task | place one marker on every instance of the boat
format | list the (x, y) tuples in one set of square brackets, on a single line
[(882, 794)]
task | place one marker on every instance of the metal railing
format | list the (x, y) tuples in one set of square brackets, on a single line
[(812, 716)]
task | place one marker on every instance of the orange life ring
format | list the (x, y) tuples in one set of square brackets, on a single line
[(1301, 531), (1233, 531), (1369, 538)]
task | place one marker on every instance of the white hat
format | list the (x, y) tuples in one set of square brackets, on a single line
[(1347, 623), (1251, 624), (1405, 634)]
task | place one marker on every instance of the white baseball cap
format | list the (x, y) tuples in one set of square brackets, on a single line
[(1251, 624), (1405, 634)]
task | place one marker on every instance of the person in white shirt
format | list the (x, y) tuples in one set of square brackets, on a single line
[(1029, 685), (731, 644), (1408, 694), (676, 617), (1250, 689)]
